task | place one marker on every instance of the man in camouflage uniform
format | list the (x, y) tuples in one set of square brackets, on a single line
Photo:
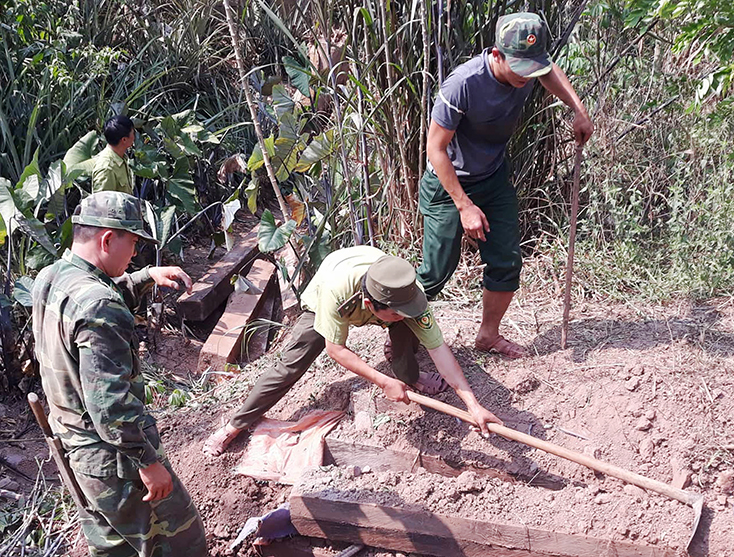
[(359, 286), (90, 370)]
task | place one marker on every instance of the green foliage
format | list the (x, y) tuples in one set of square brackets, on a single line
[(270, 236)]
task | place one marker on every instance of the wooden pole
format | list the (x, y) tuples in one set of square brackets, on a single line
[(571, 244)]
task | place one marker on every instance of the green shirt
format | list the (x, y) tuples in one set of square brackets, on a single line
[(111, 173), (88, 354), (340, 277)]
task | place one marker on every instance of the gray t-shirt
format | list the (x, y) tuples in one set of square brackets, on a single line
[(484, 113)]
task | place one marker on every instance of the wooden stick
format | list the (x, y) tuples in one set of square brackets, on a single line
[(681, 495), (571, 244)]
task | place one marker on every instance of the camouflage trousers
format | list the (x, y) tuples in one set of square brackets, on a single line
[(118, 523)]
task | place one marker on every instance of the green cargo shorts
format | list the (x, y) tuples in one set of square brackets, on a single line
[(442, 232)]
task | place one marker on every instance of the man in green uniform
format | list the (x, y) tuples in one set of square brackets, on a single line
[(111, 172), (358, 286), (467, 187), (90, 371)]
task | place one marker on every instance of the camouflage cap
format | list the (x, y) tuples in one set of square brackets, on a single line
[(112, 209), (523, 39), (391, 281)]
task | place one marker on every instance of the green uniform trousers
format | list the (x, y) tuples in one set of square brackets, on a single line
[(304, 347), (497, 199), (118, 523)]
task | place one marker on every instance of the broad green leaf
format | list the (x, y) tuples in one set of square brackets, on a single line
[(251, 192), (189, 146), (38, 258), (80, 156), (30, 182), (5, 303), (8, 207), (31, 226), (271, 237), (320, 147), (282, 103), (230, 209), (290, 126), (22, 291), (181, 187), (256, 159), (298, 75), (285, 158), (164, 224)]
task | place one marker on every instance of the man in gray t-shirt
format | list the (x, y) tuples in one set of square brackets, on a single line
[(466, 188)]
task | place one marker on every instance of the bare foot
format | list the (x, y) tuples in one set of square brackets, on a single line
[(218, 441), (501, 346)]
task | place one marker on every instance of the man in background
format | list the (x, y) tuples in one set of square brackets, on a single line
[(111, 172)]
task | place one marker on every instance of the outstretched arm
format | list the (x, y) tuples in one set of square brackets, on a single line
[(450, 369), (558, 84), (393, 389)]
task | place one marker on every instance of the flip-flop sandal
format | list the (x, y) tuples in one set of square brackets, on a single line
[(217, 442), (430, 383), (503, 347)]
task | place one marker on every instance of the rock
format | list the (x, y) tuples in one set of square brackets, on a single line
[(647, 448), (353, 471), (721, 500), (633, 491), (632, 383), (366, 470), (643, 424), (603, 498), (681, 475), (594, 452), (725, 482), (10, 485), (638, 369), (650, 415), (468, 481), (362, 421)]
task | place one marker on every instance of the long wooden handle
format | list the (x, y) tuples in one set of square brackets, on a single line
[(571, 244), (681, 495), (40, 415)]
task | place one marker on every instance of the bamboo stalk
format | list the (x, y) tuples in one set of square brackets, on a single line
[(253, 108)]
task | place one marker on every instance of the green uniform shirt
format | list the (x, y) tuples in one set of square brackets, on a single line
[(88, 353), (111, 173), (338, 279)]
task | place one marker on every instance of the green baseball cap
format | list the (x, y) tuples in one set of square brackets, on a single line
[(391, 281), (112, 209), (522, 38)]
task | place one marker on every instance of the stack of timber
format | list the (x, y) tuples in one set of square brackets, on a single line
[(244, 330)]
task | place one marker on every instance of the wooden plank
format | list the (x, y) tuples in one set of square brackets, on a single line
[(381, 459), (259, 335), (224, 345), (211, 290), (413, 529)]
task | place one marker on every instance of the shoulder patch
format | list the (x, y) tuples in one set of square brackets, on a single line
[(425, 320), (347, 307)]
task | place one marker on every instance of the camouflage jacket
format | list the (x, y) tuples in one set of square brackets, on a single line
[(88, 353)]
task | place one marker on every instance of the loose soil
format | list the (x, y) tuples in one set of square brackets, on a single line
[(647, 388)]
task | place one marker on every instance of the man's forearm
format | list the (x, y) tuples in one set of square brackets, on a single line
[(447, 176), (449, 368), (558, 84), (348, 359)]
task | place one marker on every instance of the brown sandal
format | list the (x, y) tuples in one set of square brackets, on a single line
[(504, 347), (430, 383), (217, 442)]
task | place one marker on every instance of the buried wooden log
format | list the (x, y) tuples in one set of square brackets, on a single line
[(211, 290), (225, 343), (413, 529)]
